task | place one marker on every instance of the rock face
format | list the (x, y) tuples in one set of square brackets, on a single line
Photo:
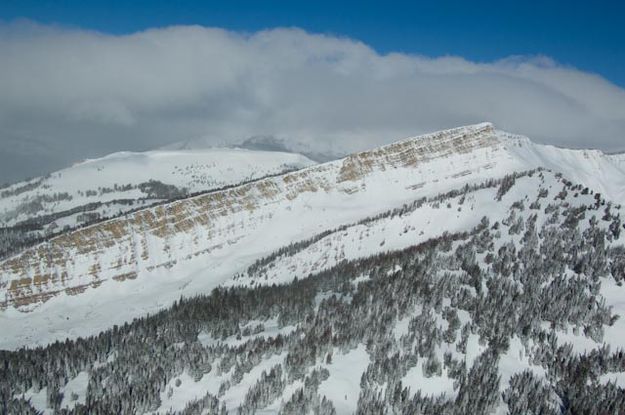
[(160, 237)]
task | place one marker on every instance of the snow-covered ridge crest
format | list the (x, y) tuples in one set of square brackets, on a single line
[(159, 238), (604, 173), (116, 179), (410, 151), (206, 239)]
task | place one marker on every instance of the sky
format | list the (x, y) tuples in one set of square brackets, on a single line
[(81, 79)]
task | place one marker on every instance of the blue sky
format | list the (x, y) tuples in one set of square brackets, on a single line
[(587, 35)]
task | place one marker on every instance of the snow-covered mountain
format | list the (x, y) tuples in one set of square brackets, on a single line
[(521, 242), (248, 220), (603, 172), (121, 182), (145, 259)]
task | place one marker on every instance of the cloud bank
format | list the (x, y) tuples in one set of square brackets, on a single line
[(68, 94)]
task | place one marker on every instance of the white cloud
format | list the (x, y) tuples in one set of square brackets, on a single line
[(74, 94)]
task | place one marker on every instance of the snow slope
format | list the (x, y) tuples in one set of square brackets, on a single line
[(605, 173), (143, 261), (118, 175)]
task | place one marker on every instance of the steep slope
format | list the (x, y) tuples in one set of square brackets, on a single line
[(605, 173), (102, 188), (143, 261), (507, 313), (160, 237)]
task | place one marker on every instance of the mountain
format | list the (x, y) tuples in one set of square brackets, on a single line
[(94, 190), (603, 172), (464, 271), (145, 259), (192, 233)]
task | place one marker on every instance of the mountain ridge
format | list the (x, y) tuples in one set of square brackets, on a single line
[(228, 230), (84, 240)]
